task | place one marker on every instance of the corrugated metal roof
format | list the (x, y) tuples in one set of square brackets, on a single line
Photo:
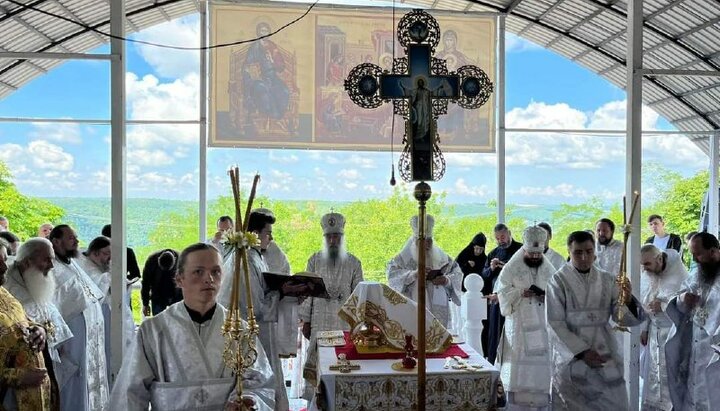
[(678, 34)]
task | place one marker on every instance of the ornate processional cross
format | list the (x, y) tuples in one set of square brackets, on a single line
[(420, 88)]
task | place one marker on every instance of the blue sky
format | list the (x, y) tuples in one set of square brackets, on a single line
[(544, 90)]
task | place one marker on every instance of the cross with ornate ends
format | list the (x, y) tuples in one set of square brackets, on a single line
[(420, 87)]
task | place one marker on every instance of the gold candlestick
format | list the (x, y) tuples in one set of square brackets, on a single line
[(622, 280), (240, 351)]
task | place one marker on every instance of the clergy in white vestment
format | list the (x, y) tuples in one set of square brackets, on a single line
[(665, 273), (223, 225), (176, 362), (96, 263), (444, 276), (580, 300), (267, 303), (31, 281), (341, 272), (607, 250), (81, 374), (692, 351), (278, 263), (555, 258), (524, 354)]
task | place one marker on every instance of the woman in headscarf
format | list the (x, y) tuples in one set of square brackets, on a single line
[(472, 258)]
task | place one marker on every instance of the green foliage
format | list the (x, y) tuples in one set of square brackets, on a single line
[(574, 217), (26, 214), (681, 203)]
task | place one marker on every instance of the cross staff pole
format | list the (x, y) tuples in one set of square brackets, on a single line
[(422, 195)]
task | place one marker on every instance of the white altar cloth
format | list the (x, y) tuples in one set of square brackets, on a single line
[(376, 386)]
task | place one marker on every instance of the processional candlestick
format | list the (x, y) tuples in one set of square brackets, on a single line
[(622, 279), (420, 87), (240, 351)]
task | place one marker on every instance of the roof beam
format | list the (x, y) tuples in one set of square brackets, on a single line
[(616, 59), (18, 10), (695, 29), (662, 9), (512, 6), (76, 18)]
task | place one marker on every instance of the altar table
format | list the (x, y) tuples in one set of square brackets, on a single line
[(376, 386)]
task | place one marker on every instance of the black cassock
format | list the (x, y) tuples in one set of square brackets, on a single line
[(493, 326)]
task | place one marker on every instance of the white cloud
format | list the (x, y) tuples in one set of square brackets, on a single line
[(363, 162), (563, 190), (350, 174), (460, 187), (283, 158), (168, 62), (280, 175), (37, 163), (350, 185), (150, 158), (516, 44), (60, 132)]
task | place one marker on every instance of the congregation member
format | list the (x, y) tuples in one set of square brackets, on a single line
[(4, 224), (176, 362), (274, 256), (555, 258), (24, 379), (492, 327), (158, 289), (341, 272), (443, 275), (223, 225), (31, 281), (472, 258), (523, 353), (79, 301), (665, 275), (580, 298), (13, 242), (267, 303), (608, 251), (660, 238), (693, 347), (44, 230), (133, 268)]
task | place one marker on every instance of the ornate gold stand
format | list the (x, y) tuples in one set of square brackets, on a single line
[(240, 351), (622, 280), (422, 193)]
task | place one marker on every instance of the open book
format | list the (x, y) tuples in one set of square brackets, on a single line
[(315, 283)]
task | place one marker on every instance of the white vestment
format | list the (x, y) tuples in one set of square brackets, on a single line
[(340, 277), (524, 353), (556, 259), (278, 263), (266, 305), (662, 287), (102, 280), (82, 374), (177, 364), (402, 277), (608, 256), (692, 363), (43, 313), (579, 307)]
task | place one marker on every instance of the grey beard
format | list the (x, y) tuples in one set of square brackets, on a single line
[(39, 285)]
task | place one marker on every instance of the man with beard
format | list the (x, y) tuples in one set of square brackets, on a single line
[(472, 258), (607, 250), (442, 274), (24, 382), (31, 281), (580, 298), (506, 248), (267, 303), (79, 301), (665, 274), (692, 350), (553, 256), (524, 355), (341, 272)]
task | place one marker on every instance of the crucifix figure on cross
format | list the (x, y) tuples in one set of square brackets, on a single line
[(420, 88)]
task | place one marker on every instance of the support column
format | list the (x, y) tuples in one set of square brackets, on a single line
[(713, 199), (633, 161), (500, 142), (118, 151), (202, 164)]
